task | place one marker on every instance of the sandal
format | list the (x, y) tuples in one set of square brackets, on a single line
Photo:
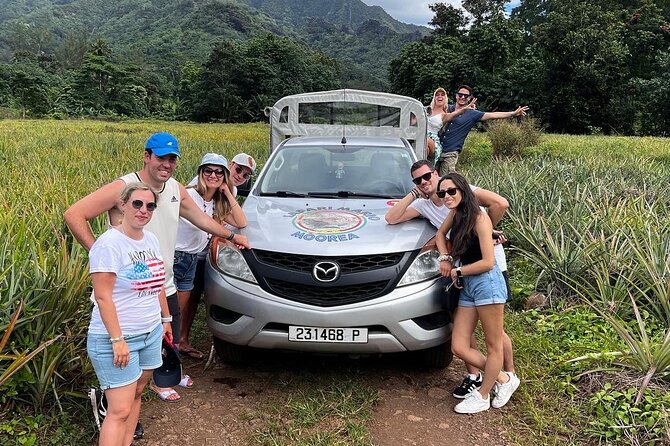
[(166, 395), (186, 382), (192, 353)]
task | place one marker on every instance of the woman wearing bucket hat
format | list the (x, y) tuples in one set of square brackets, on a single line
[(130, 315), (211, 190)]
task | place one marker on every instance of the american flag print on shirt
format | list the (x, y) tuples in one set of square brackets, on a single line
[(146, 274)]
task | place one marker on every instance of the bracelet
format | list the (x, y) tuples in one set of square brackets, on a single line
[(445, 258), (231, 236), (165, 319), (415, 193), (115, 340)]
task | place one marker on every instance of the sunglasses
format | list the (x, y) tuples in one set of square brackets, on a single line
[(425, 176), (218, 172), (463, 95), (451, 191), (239, 170), (137, 204)]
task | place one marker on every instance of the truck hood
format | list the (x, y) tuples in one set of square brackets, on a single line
[(330, 227)]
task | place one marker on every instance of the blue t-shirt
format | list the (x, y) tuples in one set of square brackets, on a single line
[(458, 129)]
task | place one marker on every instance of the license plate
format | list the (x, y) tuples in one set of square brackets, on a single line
[(329, 335)]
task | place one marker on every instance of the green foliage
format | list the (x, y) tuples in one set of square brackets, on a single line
[(509, 138), (618, 419), (26, 428), (240, 79)]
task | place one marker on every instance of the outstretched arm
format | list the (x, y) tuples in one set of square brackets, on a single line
[(521, 111), (450, 116)]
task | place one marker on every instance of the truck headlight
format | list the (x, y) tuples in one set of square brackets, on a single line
[(424, 267), (230, 261)]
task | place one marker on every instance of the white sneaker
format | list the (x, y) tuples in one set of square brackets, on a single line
[(473, 403), (504, 391)]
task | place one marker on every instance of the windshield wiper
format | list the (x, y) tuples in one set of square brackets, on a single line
[(281, 193), (346, 194)]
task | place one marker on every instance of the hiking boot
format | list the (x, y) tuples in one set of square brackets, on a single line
[(504, 391), (99, 405), (473, 403), (467, 386)]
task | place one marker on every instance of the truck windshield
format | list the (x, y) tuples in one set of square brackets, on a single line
[(337, 172)]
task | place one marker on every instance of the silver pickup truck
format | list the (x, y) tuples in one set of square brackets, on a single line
[(325, 272)]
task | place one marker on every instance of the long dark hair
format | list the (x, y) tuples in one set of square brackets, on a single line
[(465, 214)]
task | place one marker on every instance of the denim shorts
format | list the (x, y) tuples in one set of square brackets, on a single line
[(145, 354), (184, 270), (483, 289)]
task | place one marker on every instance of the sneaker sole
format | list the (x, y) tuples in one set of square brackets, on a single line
[(465, 412)]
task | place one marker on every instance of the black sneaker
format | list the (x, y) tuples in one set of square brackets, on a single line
[(467, 386), (139, 431), (99, 405)]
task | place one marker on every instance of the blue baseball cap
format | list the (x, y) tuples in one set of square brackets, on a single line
[(162, 144)]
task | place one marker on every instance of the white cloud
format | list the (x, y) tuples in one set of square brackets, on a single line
[(409, 11), (417, 11)]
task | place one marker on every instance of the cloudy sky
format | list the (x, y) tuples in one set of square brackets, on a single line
[(415, 11)]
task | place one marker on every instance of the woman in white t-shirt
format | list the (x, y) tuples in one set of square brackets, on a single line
[(212, 190), (130, 313), (438, 116)]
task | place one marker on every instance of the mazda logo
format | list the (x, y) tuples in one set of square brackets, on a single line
[(326, 271)]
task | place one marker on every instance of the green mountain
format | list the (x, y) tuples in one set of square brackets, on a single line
[(161, 35)]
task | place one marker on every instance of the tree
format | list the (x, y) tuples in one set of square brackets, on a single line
[(484, 10), (584, 51), (448, 21), (240, 78)]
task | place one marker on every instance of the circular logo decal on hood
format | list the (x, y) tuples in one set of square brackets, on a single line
[(326, 221)]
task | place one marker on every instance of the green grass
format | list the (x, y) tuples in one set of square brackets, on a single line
[(318, 408)]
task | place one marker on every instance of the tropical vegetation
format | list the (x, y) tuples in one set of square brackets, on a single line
[(587, 228), (584, 67)]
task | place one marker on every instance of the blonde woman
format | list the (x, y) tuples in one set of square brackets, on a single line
[(213, 192)]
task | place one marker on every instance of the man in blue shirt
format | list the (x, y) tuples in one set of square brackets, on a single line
[(459, 127)]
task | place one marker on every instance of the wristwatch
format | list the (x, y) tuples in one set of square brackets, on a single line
[(459, 273), (445, 258)]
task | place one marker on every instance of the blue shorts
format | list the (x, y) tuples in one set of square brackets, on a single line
[(184, 270), (483, 289), (145, 354)]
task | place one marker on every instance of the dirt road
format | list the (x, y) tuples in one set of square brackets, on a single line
[(225, 406)]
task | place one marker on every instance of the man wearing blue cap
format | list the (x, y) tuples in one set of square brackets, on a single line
[(161, 153)]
